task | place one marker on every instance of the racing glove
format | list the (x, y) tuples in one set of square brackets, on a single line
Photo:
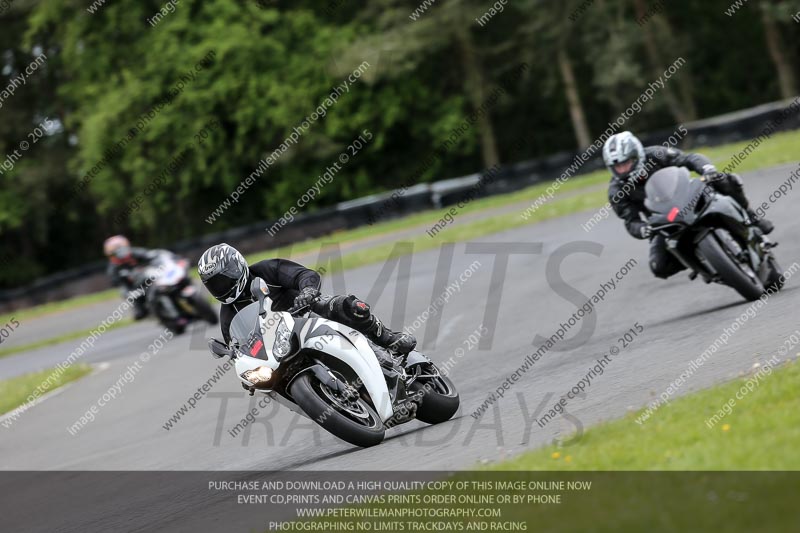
[(710, 173), (643, 231), (709, 169), (306, 297)]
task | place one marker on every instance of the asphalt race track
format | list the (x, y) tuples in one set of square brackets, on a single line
[(680, 319)]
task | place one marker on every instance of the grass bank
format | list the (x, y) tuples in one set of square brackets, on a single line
[(14, 392), (72, 335), (760, 433)]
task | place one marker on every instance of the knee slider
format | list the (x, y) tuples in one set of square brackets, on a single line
[(658, 270), (356, 308)]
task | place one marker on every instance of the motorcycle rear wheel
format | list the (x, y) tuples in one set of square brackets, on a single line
[(440, 400)]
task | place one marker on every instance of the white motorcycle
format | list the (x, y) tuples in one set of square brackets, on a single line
[(170, 294), (332, 373)]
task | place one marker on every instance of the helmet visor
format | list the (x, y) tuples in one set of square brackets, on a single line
[(624, 168), (122, 252), (220, 285)]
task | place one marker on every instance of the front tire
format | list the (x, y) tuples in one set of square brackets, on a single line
[(355, 422), (440, 399), (732, 271)]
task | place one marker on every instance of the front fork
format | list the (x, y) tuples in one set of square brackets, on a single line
[(677, 247), (756, 253)]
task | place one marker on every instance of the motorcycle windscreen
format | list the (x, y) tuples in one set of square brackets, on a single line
[(668, 188), (243, 324)]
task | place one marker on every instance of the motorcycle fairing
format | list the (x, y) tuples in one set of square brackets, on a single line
[(353, 349), (334, 339)]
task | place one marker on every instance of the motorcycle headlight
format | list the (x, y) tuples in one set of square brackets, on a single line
[(259, 376), (283, 341)]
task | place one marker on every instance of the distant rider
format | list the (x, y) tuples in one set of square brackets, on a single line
[(631, 165), (292, 287), (124, 267)]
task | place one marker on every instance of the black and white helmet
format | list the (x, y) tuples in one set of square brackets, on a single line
[(624, 155), (224, 272)]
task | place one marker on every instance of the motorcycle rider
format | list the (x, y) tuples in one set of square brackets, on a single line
[(124, 262), (292, 287), (631, 165)]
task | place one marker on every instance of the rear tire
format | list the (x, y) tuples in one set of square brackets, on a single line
[(440, 400), (730, 270), (310, 395)]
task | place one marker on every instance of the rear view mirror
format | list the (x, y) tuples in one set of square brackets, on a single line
[(259, 289), (218, 348)]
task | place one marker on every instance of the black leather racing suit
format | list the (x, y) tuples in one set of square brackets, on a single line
[(285, 280), (627, 199)]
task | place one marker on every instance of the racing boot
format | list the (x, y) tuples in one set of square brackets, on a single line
[(396, 342), (357, 314)]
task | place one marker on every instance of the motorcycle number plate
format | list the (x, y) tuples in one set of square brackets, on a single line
[(256, 349)]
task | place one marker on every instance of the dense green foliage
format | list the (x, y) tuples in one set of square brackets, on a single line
[(157, 121)]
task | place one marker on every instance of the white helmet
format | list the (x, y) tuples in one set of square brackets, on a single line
[(624, 155)]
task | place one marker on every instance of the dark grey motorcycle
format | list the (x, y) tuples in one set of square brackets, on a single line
[(709, 233)]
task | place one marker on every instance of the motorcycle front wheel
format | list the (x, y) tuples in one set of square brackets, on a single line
[(352, 420), (725, 255)]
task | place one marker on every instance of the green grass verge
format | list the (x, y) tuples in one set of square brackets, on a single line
[(673, 473), (426, 219), (5, 352), (473, 230), (779, 149), (55, 307), (15, 391), (761, 433)]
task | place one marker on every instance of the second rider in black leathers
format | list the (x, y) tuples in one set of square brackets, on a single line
[(631, 164)]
